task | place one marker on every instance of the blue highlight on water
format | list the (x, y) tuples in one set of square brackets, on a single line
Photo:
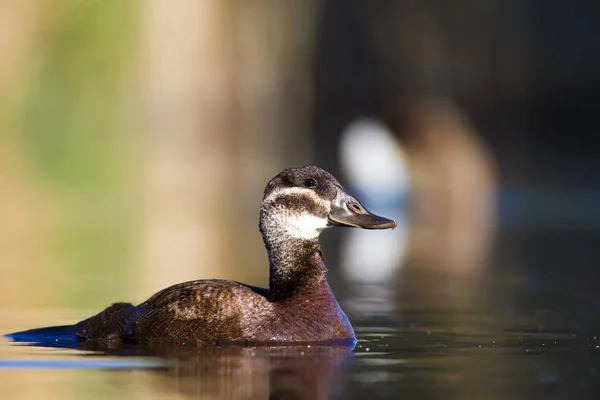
[(80, 364), (61, 337)]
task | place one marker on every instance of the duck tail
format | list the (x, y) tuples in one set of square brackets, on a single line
[(114, 323), (64, 334)]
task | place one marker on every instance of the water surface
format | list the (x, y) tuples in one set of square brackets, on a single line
[(484, 350)]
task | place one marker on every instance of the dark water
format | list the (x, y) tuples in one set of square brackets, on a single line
[(465, 348), (502, 360)]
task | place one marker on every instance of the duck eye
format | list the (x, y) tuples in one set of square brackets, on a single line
[(310, 182)]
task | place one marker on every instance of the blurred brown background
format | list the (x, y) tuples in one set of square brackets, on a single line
[(136, 136)]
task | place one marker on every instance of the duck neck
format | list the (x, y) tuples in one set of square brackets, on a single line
[(295, 263)]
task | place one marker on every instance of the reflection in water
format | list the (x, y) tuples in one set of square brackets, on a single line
[(287, 372), (228, 372)]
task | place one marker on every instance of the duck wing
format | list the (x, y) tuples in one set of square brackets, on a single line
[(201, 311)]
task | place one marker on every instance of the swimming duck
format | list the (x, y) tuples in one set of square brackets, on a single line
[(299, 306)]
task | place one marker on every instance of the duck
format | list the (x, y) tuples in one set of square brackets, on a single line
[(298, 306)]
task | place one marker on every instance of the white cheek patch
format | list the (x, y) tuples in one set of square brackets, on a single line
[(298, 226), (304, 226)]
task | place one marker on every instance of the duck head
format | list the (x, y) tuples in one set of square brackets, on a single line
[(301, 202)]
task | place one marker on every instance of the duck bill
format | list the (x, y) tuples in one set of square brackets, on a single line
[(347, 211)]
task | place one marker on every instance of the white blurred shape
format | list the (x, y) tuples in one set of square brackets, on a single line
[(372, 159), (375, 167)]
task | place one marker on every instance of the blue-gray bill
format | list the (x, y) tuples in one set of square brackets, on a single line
[(347, 211)]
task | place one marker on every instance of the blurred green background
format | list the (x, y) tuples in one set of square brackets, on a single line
[(136, 139), (66, 173)]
